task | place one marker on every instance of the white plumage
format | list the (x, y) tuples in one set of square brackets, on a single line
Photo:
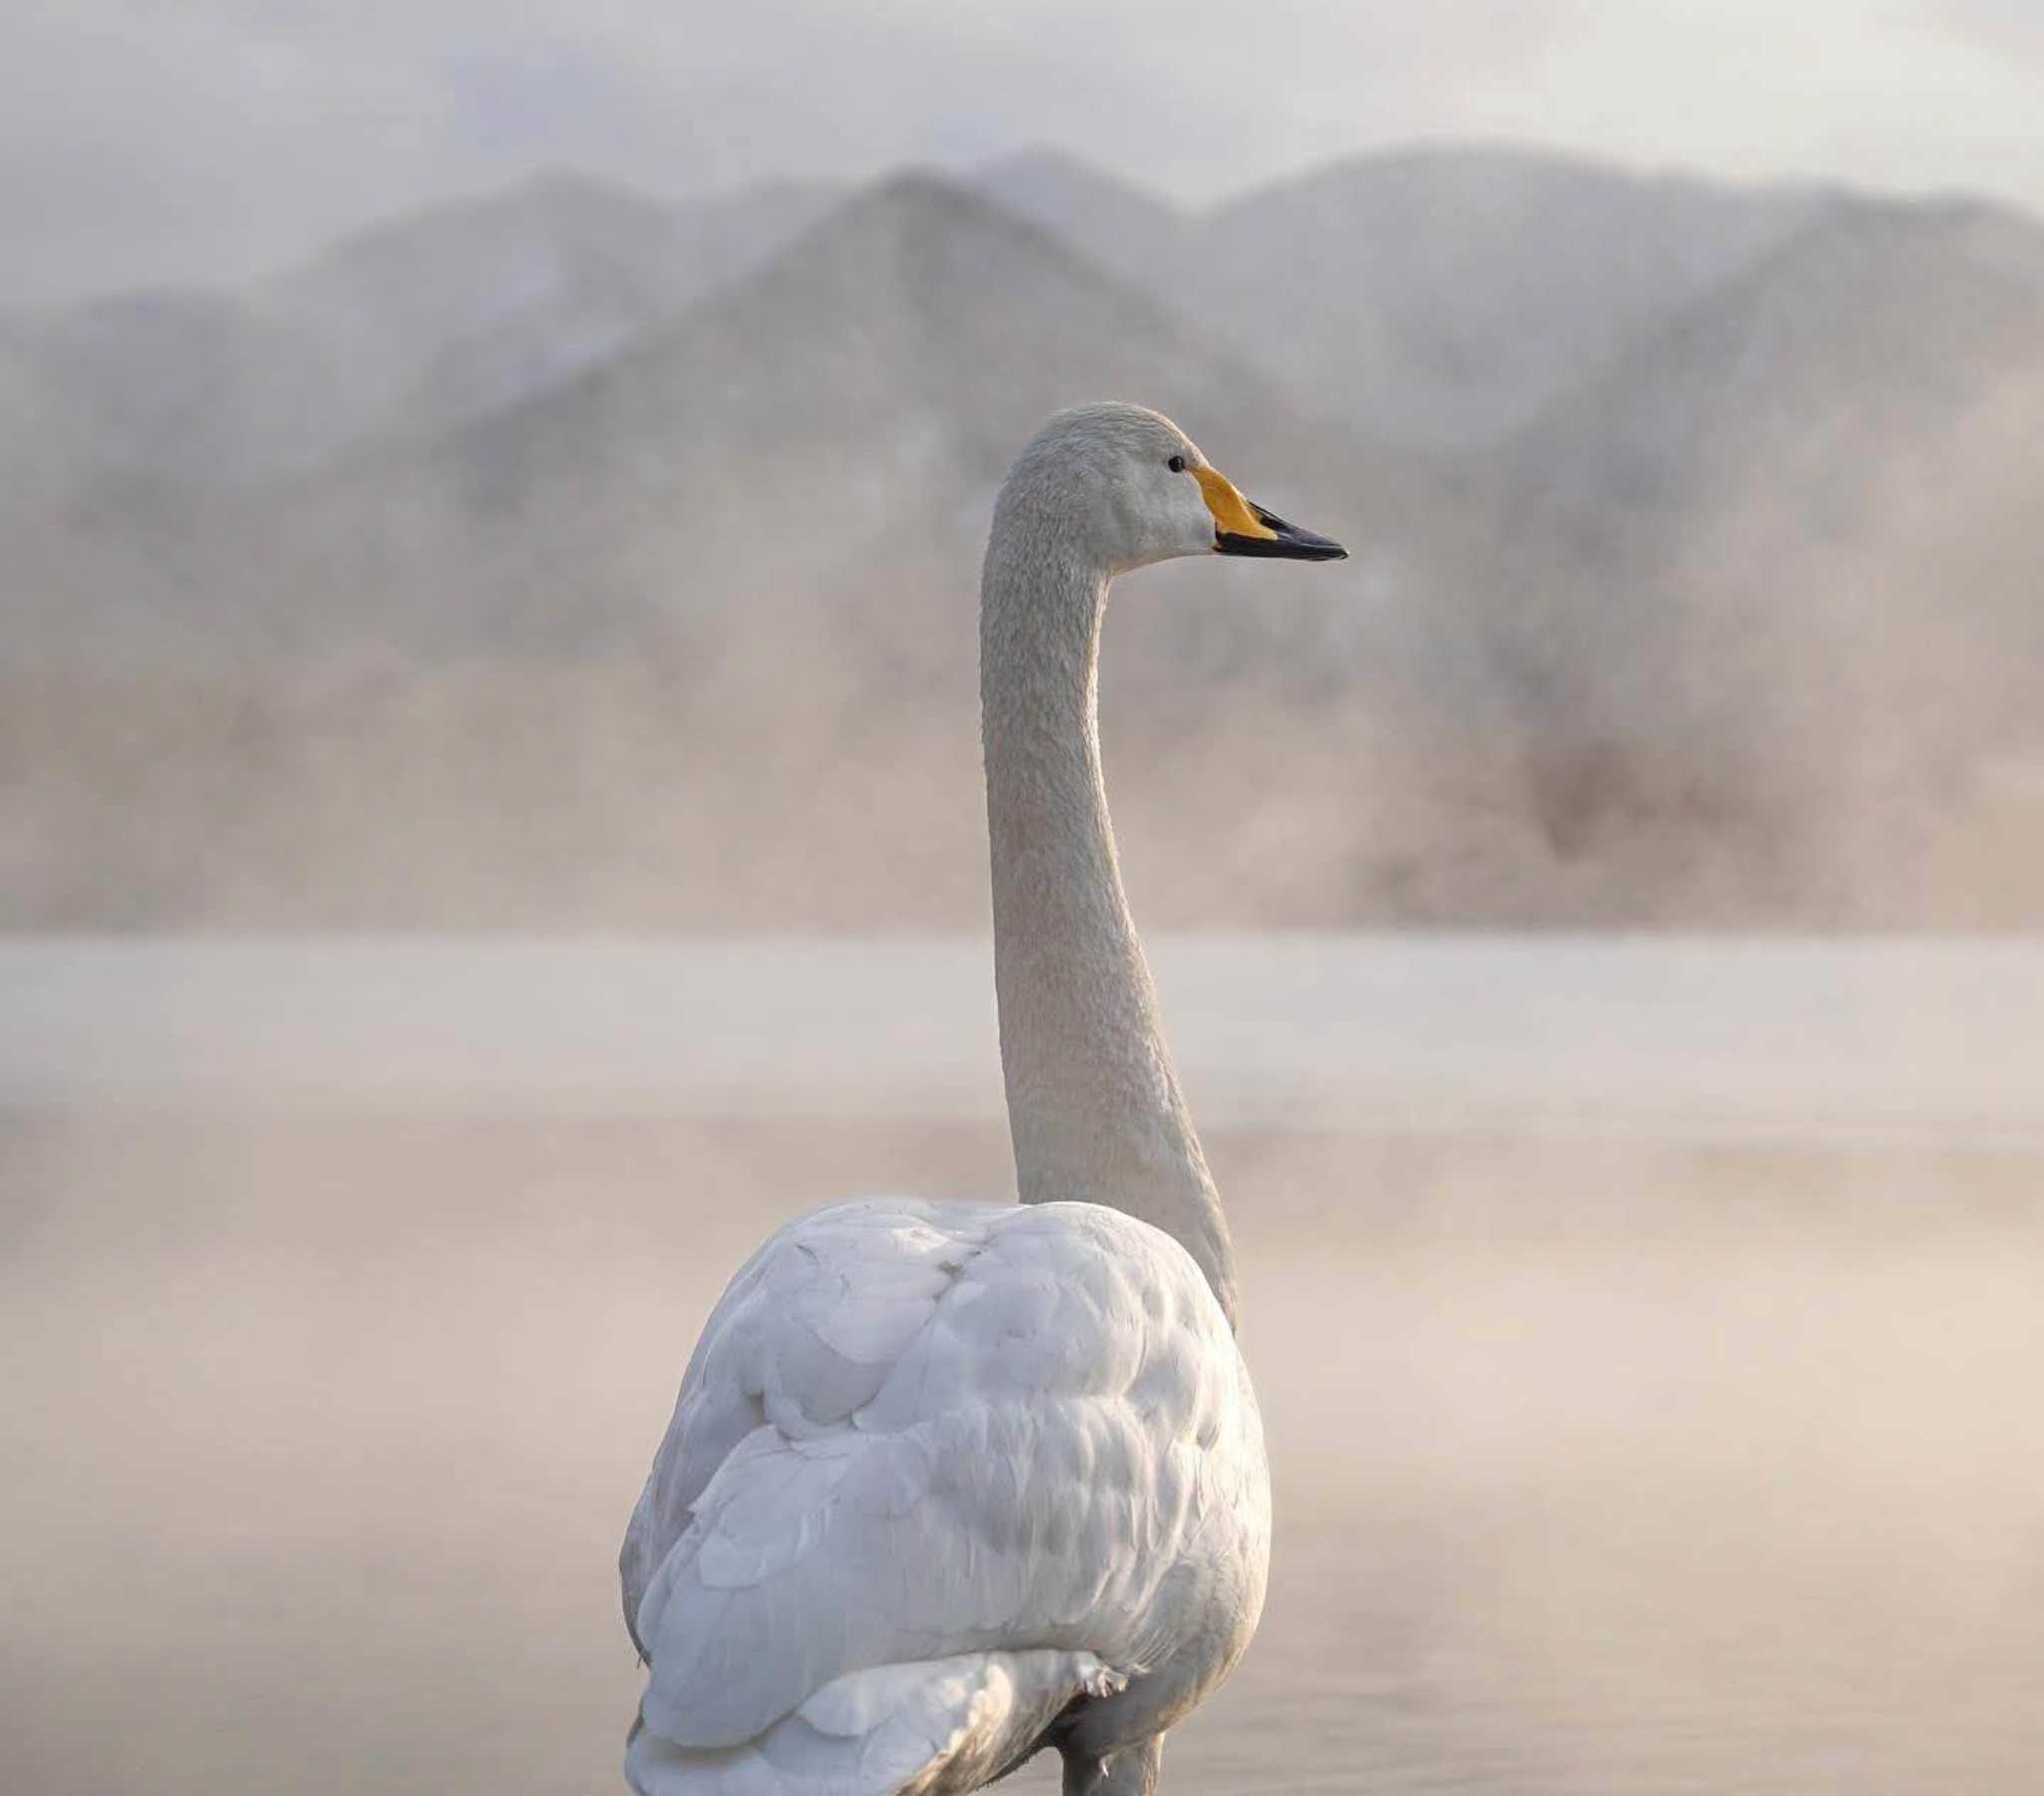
[(949, 1483), (916, 1430)]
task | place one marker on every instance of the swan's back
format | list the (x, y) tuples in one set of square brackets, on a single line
[(912, 1431)]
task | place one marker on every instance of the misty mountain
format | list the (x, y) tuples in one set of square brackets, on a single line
[(763, 445), (754, 534), (1145, 239), (1879, 321), (1780, 560), (476, 306), (806, 458), (1443, 296), (169, 384), (1438, 297), (1726, 615), (448, 312)]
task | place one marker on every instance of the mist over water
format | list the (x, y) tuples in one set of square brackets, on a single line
[(1605, 1462)]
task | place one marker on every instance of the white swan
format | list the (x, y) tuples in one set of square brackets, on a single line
[(948, 1484)]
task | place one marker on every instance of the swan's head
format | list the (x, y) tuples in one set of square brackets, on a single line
[(1127, 487)]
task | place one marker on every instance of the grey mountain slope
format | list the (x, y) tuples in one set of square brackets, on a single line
[(851, 405), (1741, 628), (444, 269), (720, 579), (441, 315), (1431, 298), (917, 308), (474, 304), (1445, 296), (580, 273), (1876, 321), (178, 384), (743, 555), (1781, 559), (1145, 239)]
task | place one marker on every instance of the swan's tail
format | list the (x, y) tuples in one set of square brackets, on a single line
[(897, 1730)]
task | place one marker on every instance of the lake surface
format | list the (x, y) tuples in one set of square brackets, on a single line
[(1719, 1034), (1648, 1336)]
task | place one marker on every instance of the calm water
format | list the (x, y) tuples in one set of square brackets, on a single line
[(1722, 1034), (1647, 1340)]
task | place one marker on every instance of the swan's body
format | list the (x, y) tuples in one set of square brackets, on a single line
[(917, 1436), (949, 1483)]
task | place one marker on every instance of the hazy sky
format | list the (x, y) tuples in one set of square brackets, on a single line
[(162, 140)]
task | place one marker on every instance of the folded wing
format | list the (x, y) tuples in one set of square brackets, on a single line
[(953, 1724), (916, 1432)]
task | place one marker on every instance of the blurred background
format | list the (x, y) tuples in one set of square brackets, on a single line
[(490, 822)]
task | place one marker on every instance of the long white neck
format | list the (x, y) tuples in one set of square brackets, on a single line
[(1094, 1106)]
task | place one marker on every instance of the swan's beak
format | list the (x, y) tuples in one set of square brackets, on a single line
[(1272, 536), (1242, 527)]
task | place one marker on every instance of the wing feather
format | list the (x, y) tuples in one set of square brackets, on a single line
[(946, 1725), (913, 1432)]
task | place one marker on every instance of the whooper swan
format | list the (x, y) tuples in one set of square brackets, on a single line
[(948, 1484)]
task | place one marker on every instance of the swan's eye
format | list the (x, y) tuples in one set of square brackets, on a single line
[(1177, 464)]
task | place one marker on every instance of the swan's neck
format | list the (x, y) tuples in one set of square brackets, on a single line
[(1093, 1102)]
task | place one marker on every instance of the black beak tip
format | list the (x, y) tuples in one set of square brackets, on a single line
[(1314, 548), (1287, 542)]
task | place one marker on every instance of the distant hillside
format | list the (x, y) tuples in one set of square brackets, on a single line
[(744, 554), (1147, 240), (577, 273), (1781, 560), (1437, 297), (170, 384), (1443, 296), (448, 312), (1721, 610), (1440, 296), (860, 396)]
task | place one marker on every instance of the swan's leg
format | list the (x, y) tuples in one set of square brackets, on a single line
[(1129, 1772)]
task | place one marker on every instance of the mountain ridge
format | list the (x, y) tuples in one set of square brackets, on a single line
[(1682, 647)]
